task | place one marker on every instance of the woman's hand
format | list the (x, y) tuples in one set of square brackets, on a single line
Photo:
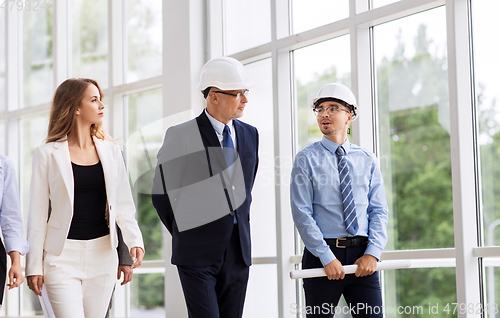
[(137, 255), (128, 273), (16, 277), (35, 283)]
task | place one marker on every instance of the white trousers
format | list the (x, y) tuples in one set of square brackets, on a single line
[(80, 281)]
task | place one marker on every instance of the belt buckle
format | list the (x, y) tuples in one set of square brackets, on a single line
[(337, 242)]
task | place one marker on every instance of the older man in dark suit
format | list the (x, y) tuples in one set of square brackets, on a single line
[(202, 193)]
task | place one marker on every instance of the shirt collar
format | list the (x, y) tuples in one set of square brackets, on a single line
[(332, 146), (218, 126)]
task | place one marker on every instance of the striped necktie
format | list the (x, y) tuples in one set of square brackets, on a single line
[(351, 221)]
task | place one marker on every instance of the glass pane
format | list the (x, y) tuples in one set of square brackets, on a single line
[(144, 39), (144, 141), (414, 129), (2, 138), (34, 132), (246, 24), (2, 60), (308, 15), (262, 292), (492, 287), (486, 70), (31, 305), (106, 118), (147, 299), (259, 113), (420, 292), (38, 61), (381, 3), (90, 40), (315, 66)]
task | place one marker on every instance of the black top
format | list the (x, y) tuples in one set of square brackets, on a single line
[(89, 216)]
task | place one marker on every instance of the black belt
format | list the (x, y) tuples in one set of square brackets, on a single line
[(344, 242)]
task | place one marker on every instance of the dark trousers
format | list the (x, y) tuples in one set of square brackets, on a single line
[(362, 294), (218, 290)]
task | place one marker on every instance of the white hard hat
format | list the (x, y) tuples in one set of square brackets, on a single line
[(340, 92), (225, 73)]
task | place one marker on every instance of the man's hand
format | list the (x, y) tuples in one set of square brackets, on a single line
[(35, 283), (334, 270), (16, 276), (367, 264), (137, 255), (128, 273)]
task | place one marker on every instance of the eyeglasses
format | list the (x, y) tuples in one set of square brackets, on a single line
[(329, 110), (238, 96)]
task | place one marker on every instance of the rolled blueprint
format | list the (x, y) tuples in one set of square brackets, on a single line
[(45, 303), (349, 269)]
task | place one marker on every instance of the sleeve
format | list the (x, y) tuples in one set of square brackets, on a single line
[(168, 175), (38, 212), (377, 212), (125, 207), (301, 197), (257, 153), (11, 220), (124, 257)]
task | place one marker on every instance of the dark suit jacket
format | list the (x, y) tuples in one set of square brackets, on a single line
[(204, 245)]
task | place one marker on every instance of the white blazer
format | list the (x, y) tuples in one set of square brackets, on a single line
[(52, 178)]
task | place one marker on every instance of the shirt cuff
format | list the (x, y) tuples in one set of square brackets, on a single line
[(18, 244), (327, 257), (374, 251)]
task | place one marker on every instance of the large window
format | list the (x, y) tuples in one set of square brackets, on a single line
[(311, 14), (259, 113), (142, 145), (38, 61), (90, 40), (71, 39), (487, 97), (414, 129), (381, 3), (414, 144), (315, 66), (487, 68), (144, 39), (261, 296), (246, 24), (2, 140), (421, 292), (3, 61), (33, 133)]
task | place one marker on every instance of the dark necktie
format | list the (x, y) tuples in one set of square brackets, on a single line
[(351, 221), (229, 153), (228, 147)]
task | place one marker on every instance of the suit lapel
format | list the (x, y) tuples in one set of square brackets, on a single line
[(105, 157), (212, 143), (240, 142), (207, 131), (63, 161)]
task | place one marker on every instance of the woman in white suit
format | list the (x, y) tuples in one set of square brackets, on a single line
[(79, 189)]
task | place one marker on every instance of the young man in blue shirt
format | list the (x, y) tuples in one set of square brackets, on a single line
[(11, 223), (340, 210)]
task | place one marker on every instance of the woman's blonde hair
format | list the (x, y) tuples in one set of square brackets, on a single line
[(67, 98)]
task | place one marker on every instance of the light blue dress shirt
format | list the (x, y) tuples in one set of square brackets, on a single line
[(316, 198), (219, 129), (11, 220)]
